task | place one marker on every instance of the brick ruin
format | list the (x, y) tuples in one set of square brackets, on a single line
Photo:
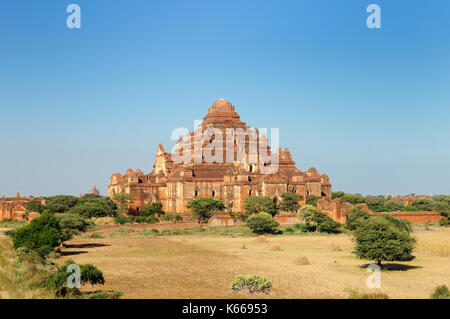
[(174, 185), (14, 208)]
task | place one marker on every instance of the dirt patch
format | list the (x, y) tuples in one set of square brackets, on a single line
[(334, 247), (301, 261), (261, 239), (274, 248)]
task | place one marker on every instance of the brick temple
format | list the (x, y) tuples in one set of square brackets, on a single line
[(175, 184)]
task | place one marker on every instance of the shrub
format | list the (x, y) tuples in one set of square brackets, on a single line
[(378, 239), (262, 223), (125, 230), (441, 292), (154, 209), (356, 217), (57, 281), (252, 283), (143, 219), (443, 222), (42, 234), (328, 225), (122, 220)]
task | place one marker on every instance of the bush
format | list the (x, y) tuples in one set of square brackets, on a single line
[(328, 225), (262, 223), (153, 209), (57, 281), (443, 222), (122, 220), (356, 217), (42, 234), (144, 219), (441, 292), (252, 283), (378, 239)]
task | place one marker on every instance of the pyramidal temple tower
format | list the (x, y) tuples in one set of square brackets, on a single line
[(175, 184)]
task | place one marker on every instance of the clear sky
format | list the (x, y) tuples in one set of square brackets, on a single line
[(369, 107)]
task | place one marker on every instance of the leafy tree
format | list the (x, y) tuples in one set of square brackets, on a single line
[(92, 196), (290, 201), (262, 223), (123, 201), (71, 225), (353, 199), (312, 200), (338, 194), (307, 213), (204, 208), (60, 203), (154, 209), (94, 208), (34, 206), (42, 234), (313, 219), (399, 223), (258, 204), (380, 240), (356, 217), (423, 204), (327, 224)]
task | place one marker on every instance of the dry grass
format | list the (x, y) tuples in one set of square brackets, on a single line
[(187, 266)]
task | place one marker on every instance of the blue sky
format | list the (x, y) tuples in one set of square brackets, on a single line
[(369, 107)]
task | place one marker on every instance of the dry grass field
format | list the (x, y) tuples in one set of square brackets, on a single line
[(203, 266)]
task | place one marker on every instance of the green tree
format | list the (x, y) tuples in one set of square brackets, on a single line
[(378, 239), (262, 223), (154, 209), (42, 234), (313, 219), (312, 200), (99, 207), (356, 217), (123, 201), (71, 225), (204, 208), (338, 194), (34, 206), (289, 202), (258, 204), (60, 203)]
